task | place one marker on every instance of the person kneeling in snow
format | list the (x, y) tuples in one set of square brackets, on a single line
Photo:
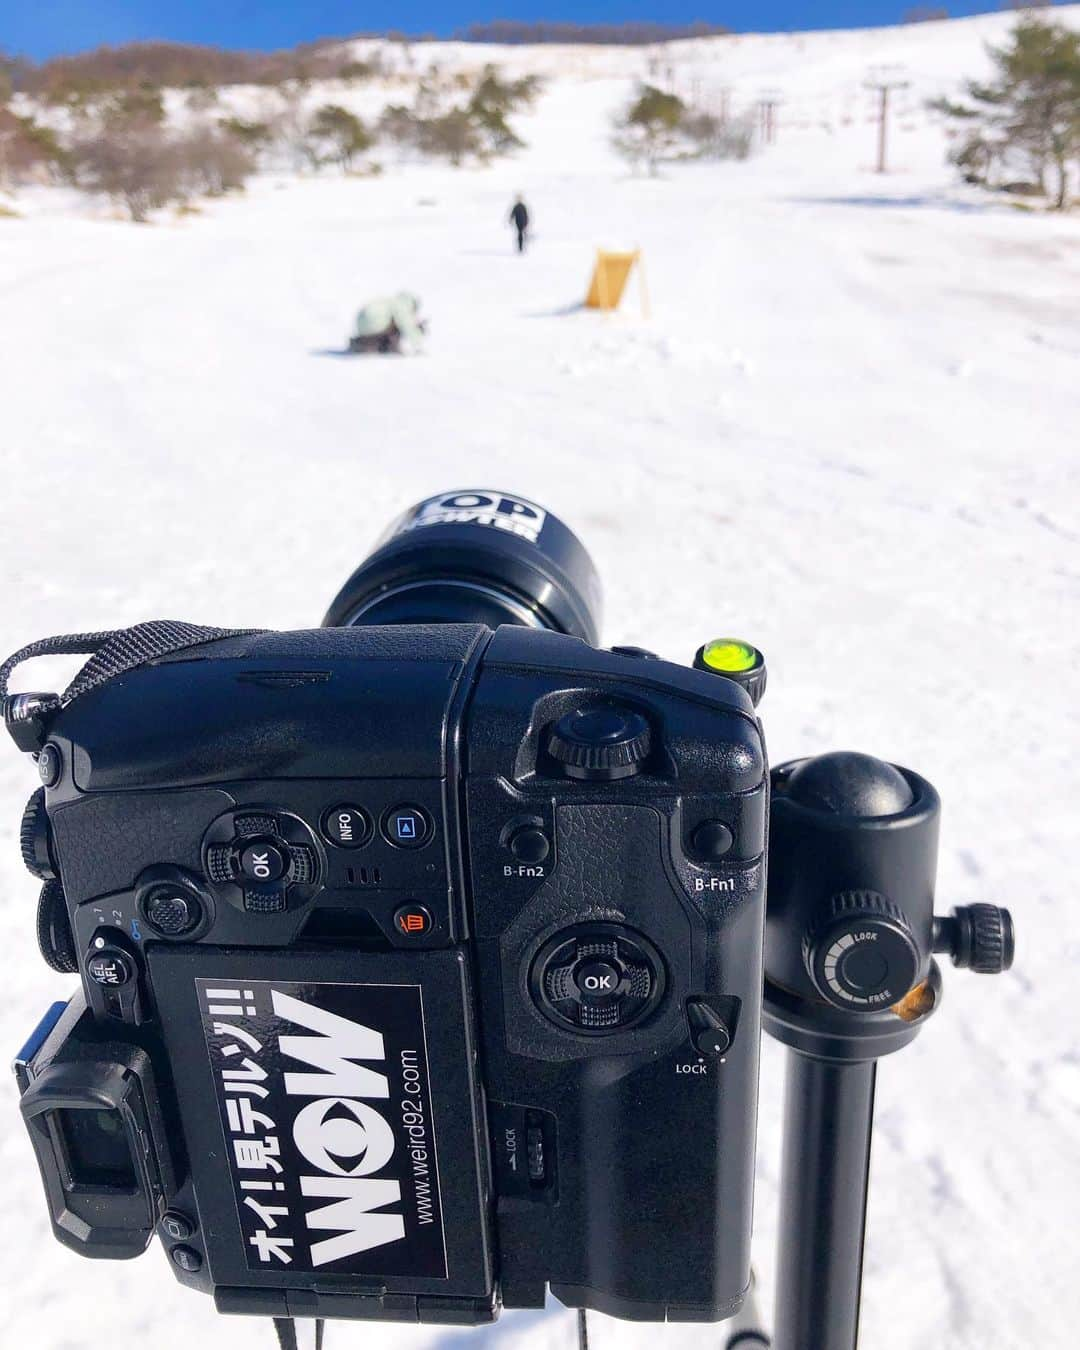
[(384, 324)]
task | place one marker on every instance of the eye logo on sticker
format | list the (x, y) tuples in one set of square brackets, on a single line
[(356, 1131)]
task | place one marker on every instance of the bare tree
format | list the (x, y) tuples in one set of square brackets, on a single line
[(719, 138), (291, 124), (212, 161), (27, 150), (136, 164), (397, 124)]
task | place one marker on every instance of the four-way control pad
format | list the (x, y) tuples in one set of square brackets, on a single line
[(261, 861), (597, 978)]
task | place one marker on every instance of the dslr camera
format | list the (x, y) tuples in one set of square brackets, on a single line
[(420, 955)]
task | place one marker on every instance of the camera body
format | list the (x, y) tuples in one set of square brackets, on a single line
[(421, 971)]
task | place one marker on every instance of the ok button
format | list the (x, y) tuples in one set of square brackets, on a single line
[(597, 980), (263, 861)]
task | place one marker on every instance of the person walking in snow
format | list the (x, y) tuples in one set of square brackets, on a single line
[(519, 218)]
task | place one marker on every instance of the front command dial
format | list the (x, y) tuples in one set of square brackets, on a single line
[(860, 951)]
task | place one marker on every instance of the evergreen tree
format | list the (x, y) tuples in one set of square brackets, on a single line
[(1031, 107), (339, 134), (650, 127)]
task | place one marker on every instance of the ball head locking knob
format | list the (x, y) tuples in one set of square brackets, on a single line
[(860, 951)]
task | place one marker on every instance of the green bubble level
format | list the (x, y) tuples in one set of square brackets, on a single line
[(730, 656)]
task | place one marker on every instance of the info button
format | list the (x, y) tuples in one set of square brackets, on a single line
[(407, 826), (346, 825)]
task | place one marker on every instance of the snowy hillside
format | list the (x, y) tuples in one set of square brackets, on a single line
[(848, 431)]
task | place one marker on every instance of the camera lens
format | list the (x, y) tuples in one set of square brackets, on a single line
[(475, 556)]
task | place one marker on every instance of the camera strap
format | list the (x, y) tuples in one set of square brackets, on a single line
[(116, 651), (290, 1339)]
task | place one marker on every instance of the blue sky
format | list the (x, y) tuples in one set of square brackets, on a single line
[(40, 28)]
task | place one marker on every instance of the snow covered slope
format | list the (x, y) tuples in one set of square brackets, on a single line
[(847, 431)]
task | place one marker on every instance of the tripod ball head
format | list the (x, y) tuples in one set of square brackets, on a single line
[(845, 783), (853, 855)]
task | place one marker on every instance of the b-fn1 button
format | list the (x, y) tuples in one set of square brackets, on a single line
[(712, 840)]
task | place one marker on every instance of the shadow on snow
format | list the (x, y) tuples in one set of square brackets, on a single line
[(913, 203)]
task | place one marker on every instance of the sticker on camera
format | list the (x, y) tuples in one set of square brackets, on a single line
[(325, 1103), (498, 510)]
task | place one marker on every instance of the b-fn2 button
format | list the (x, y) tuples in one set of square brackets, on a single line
[(529, 844)]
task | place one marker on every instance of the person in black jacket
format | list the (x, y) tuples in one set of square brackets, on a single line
[(519, 218)]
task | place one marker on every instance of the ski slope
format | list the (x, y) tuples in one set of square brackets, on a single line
[(847, 431)]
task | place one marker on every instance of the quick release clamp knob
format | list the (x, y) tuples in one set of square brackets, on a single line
[(860, 951), (977, 937)]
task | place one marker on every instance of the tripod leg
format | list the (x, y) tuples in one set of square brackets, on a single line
[(582, 1329), (828, 1117)]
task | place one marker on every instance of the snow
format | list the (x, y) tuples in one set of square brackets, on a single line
[(848, 431)]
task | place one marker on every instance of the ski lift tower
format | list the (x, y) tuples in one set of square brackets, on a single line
[(883, 81)]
